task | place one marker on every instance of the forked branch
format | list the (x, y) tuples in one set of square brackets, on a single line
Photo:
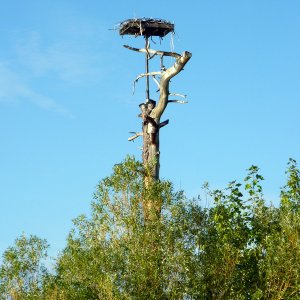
[(144, 75), (155, 80), (164, 84)]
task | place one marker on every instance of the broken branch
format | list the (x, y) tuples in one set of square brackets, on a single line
[(136, 135), (178, 101), (144, 75), (148, 74), (153, 52), (155, 80), (164, 123), (179, 95)]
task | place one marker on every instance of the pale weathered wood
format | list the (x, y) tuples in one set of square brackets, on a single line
[(151, 153), (178, 101), (136, 135), (164, 84), (147, 74), (179, 95), (151, 114), (153, 52)]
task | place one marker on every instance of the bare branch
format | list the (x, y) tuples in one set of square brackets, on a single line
[(164, 123), (153, 52), (164, 84), (178, 101), (179, 95), (136, 135), (155, 80), (148, 74), (143, 75)]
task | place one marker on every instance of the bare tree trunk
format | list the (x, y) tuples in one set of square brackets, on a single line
[(151, 115)]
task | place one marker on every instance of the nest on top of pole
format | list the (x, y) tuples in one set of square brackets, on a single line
[(146, 27)]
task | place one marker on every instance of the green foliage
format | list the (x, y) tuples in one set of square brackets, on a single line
[(116, 254), (238, 248), (290, 194), (22, 273)]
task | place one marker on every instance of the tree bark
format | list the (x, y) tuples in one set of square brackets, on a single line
[(151, 126), (152, 122)]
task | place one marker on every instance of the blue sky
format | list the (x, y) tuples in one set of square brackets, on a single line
[(66, 103)]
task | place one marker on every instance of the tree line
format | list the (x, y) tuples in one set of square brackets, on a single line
[(239, 247)]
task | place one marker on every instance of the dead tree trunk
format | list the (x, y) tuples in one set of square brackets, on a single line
[(151, 114), (151, 139)]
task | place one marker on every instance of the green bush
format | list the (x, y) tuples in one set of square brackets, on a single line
[(237, 248)]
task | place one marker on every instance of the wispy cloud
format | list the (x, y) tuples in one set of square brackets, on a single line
[(9, 83), (14, 88), (69, 60), (69, 54)]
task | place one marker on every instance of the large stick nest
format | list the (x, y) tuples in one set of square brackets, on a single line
[(146, 27)]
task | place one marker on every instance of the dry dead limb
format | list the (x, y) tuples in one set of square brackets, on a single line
[(155, 80), (164, 84), (178, 101), (179, 95), (148, 74), (136, 135), (164, 123), (153, 52), (144, 75)]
